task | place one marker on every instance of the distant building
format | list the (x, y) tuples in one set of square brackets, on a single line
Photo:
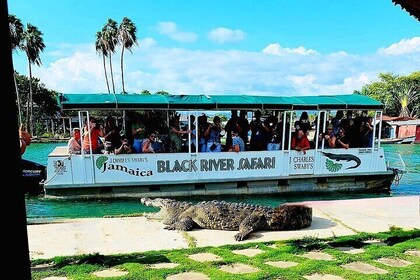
[(401, 129)]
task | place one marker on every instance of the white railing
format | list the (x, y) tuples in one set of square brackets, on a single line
[(395, 162)]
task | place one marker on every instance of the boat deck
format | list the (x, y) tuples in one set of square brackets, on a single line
[(59, 152)]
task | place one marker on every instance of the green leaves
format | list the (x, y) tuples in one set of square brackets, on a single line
[(333, 167), (100, 161)]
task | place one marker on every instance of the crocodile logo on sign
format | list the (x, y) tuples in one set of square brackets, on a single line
[(334, 167)]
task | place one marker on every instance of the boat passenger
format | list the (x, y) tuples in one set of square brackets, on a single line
[(202, 127), (213, 134), (175, 134), (232, 124), (112, 134), (138, 130), (125, 147), (276, 135), (257, 134), (328, 137), (366, 133), (73, 145), (300, 142), (336, 121), (303, 123), (243, 126), (238, 144), (147, 146), (342, 140), (94, 133)]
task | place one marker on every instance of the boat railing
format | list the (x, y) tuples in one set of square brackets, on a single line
[(395, 162)]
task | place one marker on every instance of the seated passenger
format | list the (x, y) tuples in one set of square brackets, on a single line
[(73, 145), (148, 143), (238, 145), (213, 134), (125, 147), (300, 142), (342, 140), (328, 137)]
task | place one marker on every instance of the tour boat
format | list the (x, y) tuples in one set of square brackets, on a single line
[(191, 173)]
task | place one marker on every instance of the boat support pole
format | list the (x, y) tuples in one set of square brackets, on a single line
[(373, 142)]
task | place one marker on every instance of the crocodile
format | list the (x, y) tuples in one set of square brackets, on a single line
[(344, 157), (222, 215)]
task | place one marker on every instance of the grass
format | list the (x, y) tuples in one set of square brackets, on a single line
[(137, 265)]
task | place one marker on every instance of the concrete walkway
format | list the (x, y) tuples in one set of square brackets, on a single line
[(137, 234)]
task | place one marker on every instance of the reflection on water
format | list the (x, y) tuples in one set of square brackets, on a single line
[(41, 208)]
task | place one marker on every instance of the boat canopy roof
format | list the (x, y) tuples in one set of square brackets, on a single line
[(82, 101)]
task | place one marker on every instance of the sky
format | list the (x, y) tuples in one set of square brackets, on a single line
[(283, 47)]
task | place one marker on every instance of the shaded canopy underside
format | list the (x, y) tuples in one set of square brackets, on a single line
[(215, 102)]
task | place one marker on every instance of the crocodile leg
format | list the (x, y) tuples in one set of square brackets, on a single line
[(248, 225), (185, 224)]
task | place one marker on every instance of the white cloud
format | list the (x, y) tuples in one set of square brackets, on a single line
[(277, 49), (179, 70), (222, 35), (405, 46), (170, 29), (147, 43)]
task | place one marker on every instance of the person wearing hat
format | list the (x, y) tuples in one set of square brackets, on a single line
[(73, 145), (328, 137)]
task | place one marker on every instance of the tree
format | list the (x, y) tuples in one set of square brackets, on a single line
[(162, 92), (400, 94), (33, 45), (145, 92), (110, 35), (127, 37), (44, 100), (101, 48), (16, 32)]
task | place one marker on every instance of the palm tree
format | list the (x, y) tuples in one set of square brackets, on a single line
[(16, 31), (110, 35), (405, 95), (101, 48), (33, 45), (127, 37)]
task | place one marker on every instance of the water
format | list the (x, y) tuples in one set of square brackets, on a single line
[(41, 208)]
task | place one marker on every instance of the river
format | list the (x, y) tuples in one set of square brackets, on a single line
[(41, 208)]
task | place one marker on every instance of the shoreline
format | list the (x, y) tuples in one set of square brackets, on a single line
[(119, 235)]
